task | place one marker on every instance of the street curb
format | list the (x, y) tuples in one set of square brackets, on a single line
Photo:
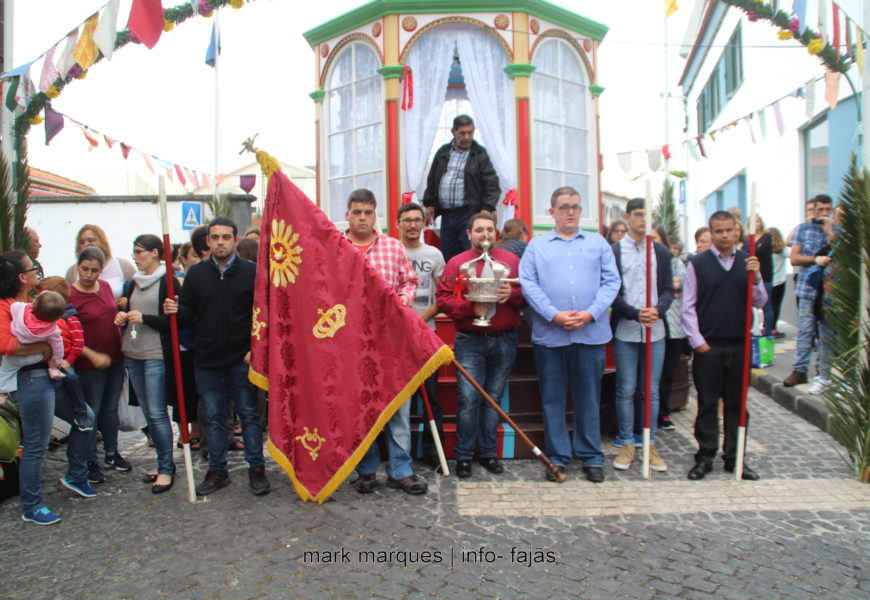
[(811, 409)]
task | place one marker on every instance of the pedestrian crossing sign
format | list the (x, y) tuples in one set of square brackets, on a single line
[(191, 215)]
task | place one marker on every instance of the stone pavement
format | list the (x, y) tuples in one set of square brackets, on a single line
[(803, 531)]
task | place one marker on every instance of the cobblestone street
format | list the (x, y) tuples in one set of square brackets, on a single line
[(803, 531)]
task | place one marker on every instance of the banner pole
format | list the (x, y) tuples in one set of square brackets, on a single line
[(433, 428), (747, 342)]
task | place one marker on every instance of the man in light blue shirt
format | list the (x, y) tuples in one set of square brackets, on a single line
[(569, 278)]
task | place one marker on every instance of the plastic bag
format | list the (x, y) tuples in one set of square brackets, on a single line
[(130, 418)]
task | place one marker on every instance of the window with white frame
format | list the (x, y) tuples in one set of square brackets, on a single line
[(560, 126), (355, 128)]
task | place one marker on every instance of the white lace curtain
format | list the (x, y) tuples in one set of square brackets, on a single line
[(490, 92)]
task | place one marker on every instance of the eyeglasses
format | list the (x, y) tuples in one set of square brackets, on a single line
[(139, 251), (30, 269), (567, 208), (619, 231), (412, 221)]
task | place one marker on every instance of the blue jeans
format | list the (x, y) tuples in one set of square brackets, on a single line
[(68, 409), (35, 402), (148, 378), (102, 388), (806, 334), (488, 358), (573, 370), (630, 369), (768, 311), (826, 337), (454, 232), (398, 432), (215, 386)]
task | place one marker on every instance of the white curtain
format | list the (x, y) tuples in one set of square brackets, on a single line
[(491, 93), (429, 58)]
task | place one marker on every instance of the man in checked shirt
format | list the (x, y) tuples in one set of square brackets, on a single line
[(387, 256)]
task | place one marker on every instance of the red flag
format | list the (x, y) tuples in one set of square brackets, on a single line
[(180, 175), (835, 14), (146, 21), (666, 151), (125, 150), (331, 342)]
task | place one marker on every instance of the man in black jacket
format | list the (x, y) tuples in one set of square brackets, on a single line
[(462, 182), (217, 298)]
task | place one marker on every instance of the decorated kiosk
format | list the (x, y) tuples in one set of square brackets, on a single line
[(391, 75)]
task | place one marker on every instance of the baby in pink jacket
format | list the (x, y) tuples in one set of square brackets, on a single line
[(37, 322)]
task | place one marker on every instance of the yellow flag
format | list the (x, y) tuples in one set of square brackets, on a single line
[(670, 7), (859, 50), (86, 51)]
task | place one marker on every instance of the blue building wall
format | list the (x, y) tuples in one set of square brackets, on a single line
[(732, 193), (843, 142)]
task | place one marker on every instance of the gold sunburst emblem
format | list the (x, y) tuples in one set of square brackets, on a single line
[(311, 441), (330, 321), (284, 254)]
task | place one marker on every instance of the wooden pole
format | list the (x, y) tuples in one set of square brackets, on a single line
[(747, 342), (433, 428)]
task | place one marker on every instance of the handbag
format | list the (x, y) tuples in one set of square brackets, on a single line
[(10, 432)]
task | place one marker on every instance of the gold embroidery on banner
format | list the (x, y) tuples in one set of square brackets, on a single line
[(284, 254), (330, 321), (256, 324), (311, 441)]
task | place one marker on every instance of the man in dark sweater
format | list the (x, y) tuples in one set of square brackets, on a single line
[(714, 317), (217, 299), (461, 182)]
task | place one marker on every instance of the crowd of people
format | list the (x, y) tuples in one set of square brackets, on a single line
[(72, 343)]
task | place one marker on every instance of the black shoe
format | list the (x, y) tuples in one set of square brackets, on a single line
[(463, 468), (118, 461), (257, 481), (748, 474), (159, 489), (595, 474), (366, 484), (700, 470), (95, 475), (413, 485), (666, 424), (550, 476), (493, 465), (214, 480)]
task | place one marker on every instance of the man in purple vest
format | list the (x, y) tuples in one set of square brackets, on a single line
[(714, 317)]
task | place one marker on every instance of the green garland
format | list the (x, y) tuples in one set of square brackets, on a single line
[(761, 10), (175, 15)]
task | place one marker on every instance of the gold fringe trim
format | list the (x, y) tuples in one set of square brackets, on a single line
[(268, 164), (443, 356), (261, 381)]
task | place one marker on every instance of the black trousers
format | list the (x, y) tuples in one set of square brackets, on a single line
[(718, 373), (778, 295)]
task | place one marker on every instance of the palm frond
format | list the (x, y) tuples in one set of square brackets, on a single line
[(665, 213), (7, 201)]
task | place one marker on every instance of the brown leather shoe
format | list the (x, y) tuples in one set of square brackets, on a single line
[(796, 377)]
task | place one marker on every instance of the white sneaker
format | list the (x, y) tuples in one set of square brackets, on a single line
[(819, 385)]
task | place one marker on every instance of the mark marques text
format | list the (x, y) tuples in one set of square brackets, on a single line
[(525, 555)]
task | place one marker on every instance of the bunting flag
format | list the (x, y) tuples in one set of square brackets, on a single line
[(219, 179), (693, 152), (654, 158), (799, 7), (109, 141), (810, 88), (823, 20), (205, 182), (859, 50), (86, 51), (180, 175), (835, 30), (701, 146), (66, 61), (848, 29), (762, 123), (146, 21), (832, 88), (666, 152), (777, 114), (313, 337), (671, 7), (148, 162), (104, 36), (189, 174), (92, 141), (12, 94), (49, 72), (751, 132), (246, 182), (214, 46), (625, 161), (53, 124), (125, 150), (195, 179)]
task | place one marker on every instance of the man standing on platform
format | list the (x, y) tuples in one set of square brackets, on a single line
[(428, 263), (462, 182), (714, 317), (633, 320), (388, 258), (218, 299), (569, 279), (487, 353)]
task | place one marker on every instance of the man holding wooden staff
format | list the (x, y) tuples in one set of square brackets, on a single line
[(714, 317), (569, 279)]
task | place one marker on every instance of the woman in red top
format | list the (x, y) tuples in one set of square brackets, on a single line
[(102, 380)]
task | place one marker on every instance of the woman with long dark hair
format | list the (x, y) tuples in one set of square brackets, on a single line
[(146, 346)]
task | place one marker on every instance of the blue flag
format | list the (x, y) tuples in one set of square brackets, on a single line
[(214, 46), (799, 8)]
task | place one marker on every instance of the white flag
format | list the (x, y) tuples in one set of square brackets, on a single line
[(104, 35)]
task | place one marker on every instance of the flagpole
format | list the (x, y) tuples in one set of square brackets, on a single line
[(8, 115), (216, 35), (434, 430), (747, 340), (176, 354), (647, 378)]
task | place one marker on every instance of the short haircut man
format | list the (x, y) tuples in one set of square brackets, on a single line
[(488, 353), (461, 182), (199, 240), (569, 279), (714, 318)]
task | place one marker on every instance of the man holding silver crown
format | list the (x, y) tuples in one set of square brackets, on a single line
[(478, 291)]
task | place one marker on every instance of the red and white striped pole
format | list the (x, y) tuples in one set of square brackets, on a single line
[(647, 383), (747, 339)]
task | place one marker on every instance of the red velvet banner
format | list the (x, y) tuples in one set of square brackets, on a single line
[(331, 342)]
